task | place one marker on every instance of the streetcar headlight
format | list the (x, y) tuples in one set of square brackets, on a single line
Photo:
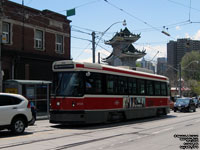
[(73, 104), (58, 103)]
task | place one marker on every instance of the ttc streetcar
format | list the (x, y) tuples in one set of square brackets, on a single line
[(95, 93)]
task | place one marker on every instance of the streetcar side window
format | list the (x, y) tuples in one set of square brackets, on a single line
[(93, 83), (149, 85), (122, 85), (111, 84), (157, 89), (141, 86), (163, 89), (132, 86)]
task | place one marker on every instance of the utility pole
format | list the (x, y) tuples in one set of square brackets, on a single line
[(1, 18), (93, 47), (180, 86), (99, 57)]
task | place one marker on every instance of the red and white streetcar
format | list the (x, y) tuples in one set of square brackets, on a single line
[(95, 93)]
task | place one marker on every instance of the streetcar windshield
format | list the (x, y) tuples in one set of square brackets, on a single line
[(68, 84)]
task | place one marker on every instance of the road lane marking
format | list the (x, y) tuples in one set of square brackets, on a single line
[(164, 130)]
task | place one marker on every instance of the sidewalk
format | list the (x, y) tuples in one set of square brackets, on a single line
[(44, 117)]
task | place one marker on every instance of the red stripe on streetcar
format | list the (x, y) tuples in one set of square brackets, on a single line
[(100, 103), (122, 71), (133, 73), (79, 65)]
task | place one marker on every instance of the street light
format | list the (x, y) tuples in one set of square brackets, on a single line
[(179, 70), (93, 37), (124, 24)]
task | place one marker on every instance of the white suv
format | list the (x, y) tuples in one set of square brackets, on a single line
[(15, 112)]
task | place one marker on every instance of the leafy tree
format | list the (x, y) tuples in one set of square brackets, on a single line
[(138, 64), (194, 86), (190, 70), (190, 67)]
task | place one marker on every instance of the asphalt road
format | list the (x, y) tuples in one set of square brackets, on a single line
[(172, 132)]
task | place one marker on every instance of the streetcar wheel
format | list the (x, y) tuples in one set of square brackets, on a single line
[(164, 111)]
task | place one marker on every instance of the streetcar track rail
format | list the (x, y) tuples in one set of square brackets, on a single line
[(93, 140)]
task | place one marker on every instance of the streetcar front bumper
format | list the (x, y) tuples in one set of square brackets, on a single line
[(67, 117)]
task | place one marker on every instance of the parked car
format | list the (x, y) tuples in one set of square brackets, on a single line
[(184, 104), (196, 101), (15, 112)]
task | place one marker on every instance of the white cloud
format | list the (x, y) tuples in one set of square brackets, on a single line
[(154, 51), (89, 51), (178, 28), (85, 60), (187, 35), (197, 35), (87, 55)]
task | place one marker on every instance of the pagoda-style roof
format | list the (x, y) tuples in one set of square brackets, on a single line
[(111, 54), (128, 51), (131, 49), (124, 36)]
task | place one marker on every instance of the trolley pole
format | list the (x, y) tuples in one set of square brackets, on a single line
[(93, 47), (1, 17)]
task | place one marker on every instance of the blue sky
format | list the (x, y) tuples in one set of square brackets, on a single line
[(180, 18)]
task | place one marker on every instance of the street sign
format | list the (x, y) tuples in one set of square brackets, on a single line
[(71, 12)]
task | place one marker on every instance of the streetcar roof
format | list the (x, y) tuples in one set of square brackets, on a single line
[(28, 81), (94, 67)]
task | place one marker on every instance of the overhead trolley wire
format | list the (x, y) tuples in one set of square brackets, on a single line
[(88, 3), (82, 51), (177, 3), (136, 18)]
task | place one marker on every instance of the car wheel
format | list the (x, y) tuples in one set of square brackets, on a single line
[(189, 109), (18, 126), (194, 110), (174, 110)]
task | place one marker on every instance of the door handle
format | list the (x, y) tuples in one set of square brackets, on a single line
[(14, 108)]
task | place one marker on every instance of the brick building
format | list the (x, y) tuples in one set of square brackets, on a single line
[(31, 41)]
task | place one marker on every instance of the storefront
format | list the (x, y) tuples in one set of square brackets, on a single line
[(35, 91)]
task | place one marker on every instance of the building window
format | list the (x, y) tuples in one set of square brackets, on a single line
[(39, 39), (59, 44), (6, 33)]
